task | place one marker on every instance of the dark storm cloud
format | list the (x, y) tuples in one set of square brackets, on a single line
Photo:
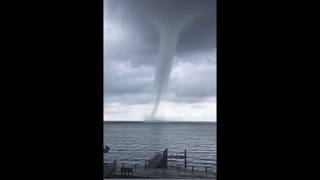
[(200, 36), (137, 15), (131, 45)]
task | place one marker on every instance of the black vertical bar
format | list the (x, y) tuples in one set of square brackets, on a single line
[(185, 158)]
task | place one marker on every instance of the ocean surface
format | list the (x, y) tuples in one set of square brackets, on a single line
[(134, 142)]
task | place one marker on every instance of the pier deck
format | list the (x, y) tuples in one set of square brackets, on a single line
[(158, 161)]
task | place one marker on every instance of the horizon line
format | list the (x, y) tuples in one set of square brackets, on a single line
[(155, 121)]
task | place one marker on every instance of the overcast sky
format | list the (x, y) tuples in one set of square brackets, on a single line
[(131, 45)]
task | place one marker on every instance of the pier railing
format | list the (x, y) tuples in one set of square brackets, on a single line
[(171, 172), (110, 168), (160, 160), (158, 166)]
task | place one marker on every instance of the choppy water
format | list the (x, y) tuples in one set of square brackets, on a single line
[(133, 143)]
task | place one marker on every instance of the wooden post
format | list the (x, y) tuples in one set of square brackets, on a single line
[(185, 158), (166, 158)]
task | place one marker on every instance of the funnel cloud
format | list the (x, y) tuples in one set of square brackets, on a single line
[(169, 31)]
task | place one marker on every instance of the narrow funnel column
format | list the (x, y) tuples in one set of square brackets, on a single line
[(168, 41), (169, 32)]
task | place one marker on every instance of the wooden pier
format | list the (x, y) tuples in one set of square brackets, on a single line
[(157, 167), (158, 160)]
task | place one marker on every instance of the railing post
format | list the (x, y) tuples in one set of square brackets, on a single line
[(166, 158)]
